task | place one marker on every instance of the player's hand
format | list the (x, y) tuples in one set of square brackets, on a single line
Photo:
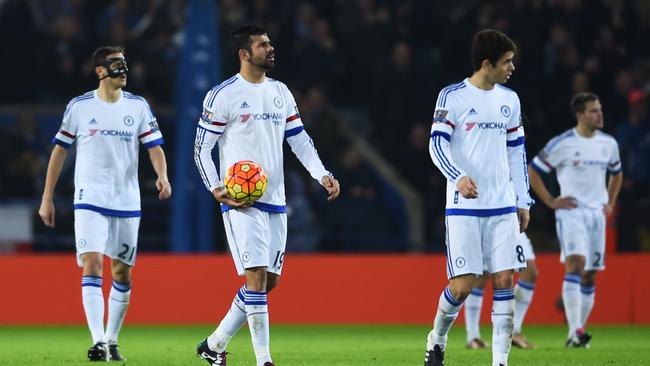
[(221, 195), (564, 203), (47, 212), (608, 209), (524, 217), (332, 187), (467, 187), (164, 188)]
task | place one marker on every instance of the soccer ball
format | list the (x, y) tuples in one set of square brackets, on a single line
[(245, 181)]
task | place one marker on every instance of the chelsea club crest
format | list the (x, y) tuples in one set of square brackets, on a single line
[(278, 102), (505, 110), (128, 120)]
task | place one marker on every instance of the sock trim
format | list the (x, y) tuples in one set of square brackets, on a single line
[(255, 297), (526, 285), (242, 294), (450, 298), (477, 292), (122, 287), (572, 277), (504, 294), (92, 281), (587, 290)]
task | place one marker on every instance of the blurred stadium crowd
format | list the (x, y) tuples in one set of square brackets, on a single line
[(368, 68)]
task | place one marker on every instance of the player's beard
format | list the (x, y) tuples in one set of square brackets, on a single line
[(266, 64)]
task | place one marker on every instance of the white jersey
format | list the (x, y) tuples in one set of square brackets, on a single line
[(582, 164), (108, 137), (478, 133), (251, 121)]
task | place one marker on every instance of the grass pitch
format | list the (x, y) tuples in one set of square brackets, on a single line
[(316, 345)]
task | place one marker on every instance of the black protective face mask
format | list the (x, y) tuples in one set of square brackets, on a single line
[(115, 67)]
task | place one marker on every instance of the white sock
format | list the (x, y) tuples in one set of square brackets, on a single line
[(523, 296), (473, 305), (118, 302), (257, 313), (448, 308), (588, 298), (503, 309), (93, 301), (230, 324), (571, 300)]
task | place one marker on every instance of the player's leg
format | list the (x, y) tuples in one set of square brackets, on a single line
[(571, 297), (122, 249), (524, 294), (524, 291), (473, 305), (213, 348), (260, 279), (233, 321), (588, 294), (91, 234), (573, 236), (464, 263), (504, 255), (247, 234), (502, 316), (595, 262), (257, 312)]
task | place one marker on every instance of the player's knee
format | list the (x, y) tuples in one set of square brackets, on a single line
[(272, 281), (589, 278), (575, 264), (122, 275), (530, 274), (502, 279), (121, 272), (92, 267), (256, 279), (533, 276), (461, 287)]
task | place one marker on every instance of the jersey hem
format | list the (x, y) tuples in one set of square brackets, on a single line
[(480, 212), (107, 211), (267, 207)]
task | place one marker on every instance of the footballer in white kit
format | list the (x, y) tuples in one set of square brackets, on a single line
[(583, 157), (108, 126), (581, 163), (250, 121), (477, 142), (478, 133), (249, 116)]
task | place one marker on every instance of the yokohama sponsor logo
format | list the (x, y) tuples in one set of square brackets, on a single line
[(485, 126)]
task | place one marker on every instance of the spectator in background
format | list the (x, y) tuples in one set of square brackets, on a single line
[(360, 221), (389, 103), (633, 135), (22, 160)]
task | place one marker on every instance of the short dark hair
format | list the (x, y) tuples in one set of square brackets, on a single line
[(490, 44), (240, 37), (99, 56), (580, 100)]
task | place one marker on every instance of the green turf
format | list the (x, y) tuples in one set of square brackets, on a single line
[(328, 345)]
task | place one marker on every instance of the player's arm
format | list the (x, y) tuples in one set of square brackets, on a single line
[(537, 167), (62, 141), (303, 147), (613, 188), (54, 167), (151, 138), (159, 163), (519, 176), (440, 151), (615, 181), (210, 127)]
